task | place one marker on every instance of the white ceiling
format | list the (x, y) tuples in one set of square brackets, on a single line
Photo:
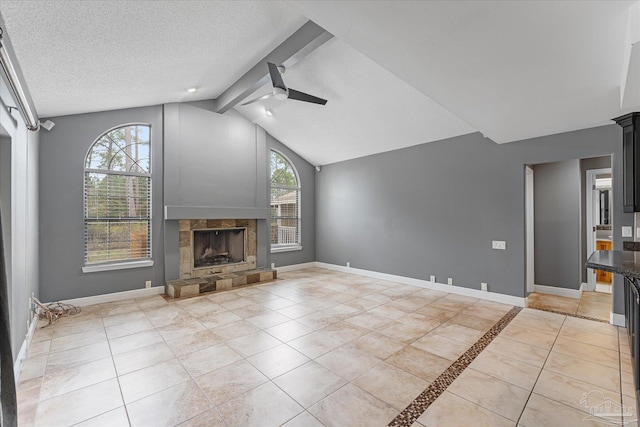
[(397, 73)]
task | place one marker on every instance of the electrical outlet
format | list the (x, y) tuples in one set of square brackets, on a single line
[(484, 287), (432, 279), (499, 244), (449, 281), (147, 284), (348, 264), (273, 265)]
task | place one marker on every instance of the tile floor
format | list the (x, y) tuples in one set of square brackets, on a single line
[(596, 305), (317, 348)]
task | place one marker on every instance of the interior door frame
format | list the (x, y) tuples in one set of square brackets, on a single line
[(591, 212), (529, 231)]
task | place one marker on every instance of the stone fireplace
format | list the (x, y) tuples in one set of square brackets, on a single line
[(214, 246)]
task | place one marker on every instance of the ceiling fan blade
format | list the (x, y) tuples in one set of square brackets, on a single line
[(276, 77), (301, 96), (260, 98)]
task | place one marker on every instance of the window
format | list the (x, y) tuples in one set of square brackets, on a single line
[(285, 204), (117, 197)]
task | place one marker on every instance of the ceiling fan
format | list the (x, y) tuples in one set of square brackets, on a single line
[(281, 91)]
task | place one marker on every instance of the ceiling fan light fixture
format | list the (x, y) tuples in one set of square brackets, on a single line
[(268, 113), (280, 94), (191, 89)]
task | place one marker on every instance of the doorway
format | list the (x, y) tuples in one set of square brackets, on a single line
[(599, 196)]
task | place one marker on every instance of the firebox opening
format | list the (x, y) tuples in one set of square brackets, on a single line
[(218, 247)]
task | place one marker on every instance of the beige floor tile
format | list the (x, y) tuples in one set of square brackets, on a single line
[(344, 332), (470, 321), (142, 358), (166, 315), (150, 380), (134, 342), (230, 381), (296, 311), (219, 319), (33, 367), (437, 313), (77, 356), (251, 344), (409, 304), (63, 329), (575, 393), (369, 321), (501, 397), (420, 363), (133, 317), (630, 410), (527, 336), (234, 330), (124, 329), (169, 407), (583, 370), (191, 342), (309, 383), (278, 360), (507, 369), (252, 310), (531, 322), (210, 418), (267, 320), (451, 305), (488, 310), (541, 411), (318, 320), (151, 302), (376, 345), (180, 329), (441, 346), (391, 385), (209, 359), (385, 310), (403, 332), (289, 330), (532, 355), (77, 340), (588, 352), (590, 325), (352, 406), (116, 418), (236, 303), (458, 333), (79, 405), (200, 307), (453, 411), (277, 303), (347, 362), (77, 377), (39, 348), (265, 405), (315, 344), (364, 303), (305, 419), (589, 337)]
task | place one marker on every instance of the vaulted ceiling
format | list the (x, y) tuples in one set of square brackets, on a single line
[(395, 74)]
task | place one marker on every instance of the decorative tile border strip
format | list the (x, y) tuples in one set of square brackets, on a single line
[(411, 413), (579, 316)]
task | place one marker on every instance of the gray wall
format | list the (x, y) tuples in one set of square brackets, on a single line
[(61, 206), (19, 205), (585, 165), (557, 224), (307, 175), (434, 209)]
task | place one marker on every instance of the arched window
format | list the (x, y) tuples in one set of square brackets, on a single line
[(285, 204), (117, 196)]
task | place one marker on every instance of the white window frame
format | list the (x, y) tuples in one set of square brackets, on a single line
[(286, 247), (127, 263)]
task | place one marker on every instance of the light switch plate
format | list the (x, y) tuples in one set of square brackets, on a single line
[(627, 231)]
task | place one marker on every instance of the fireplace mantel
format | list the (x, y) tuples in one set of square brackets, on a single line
[(212, 212)]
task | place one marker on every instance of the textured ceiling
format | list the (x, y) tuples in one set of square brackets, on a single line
[(84, 56), (369, 110)]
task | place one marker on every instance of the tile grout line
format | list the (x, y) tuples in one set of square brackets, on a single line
[(420, 404), (540, 373)]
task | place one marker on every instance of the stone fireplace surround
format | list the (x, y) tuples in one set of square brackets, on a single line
[(194, 281), (185, 230)]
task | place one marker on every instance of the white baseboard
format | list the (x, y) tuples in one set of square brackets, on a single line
[(617, 319), (116, 296), (475, 293), (24, 349), (561, 292), (295, 267)]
